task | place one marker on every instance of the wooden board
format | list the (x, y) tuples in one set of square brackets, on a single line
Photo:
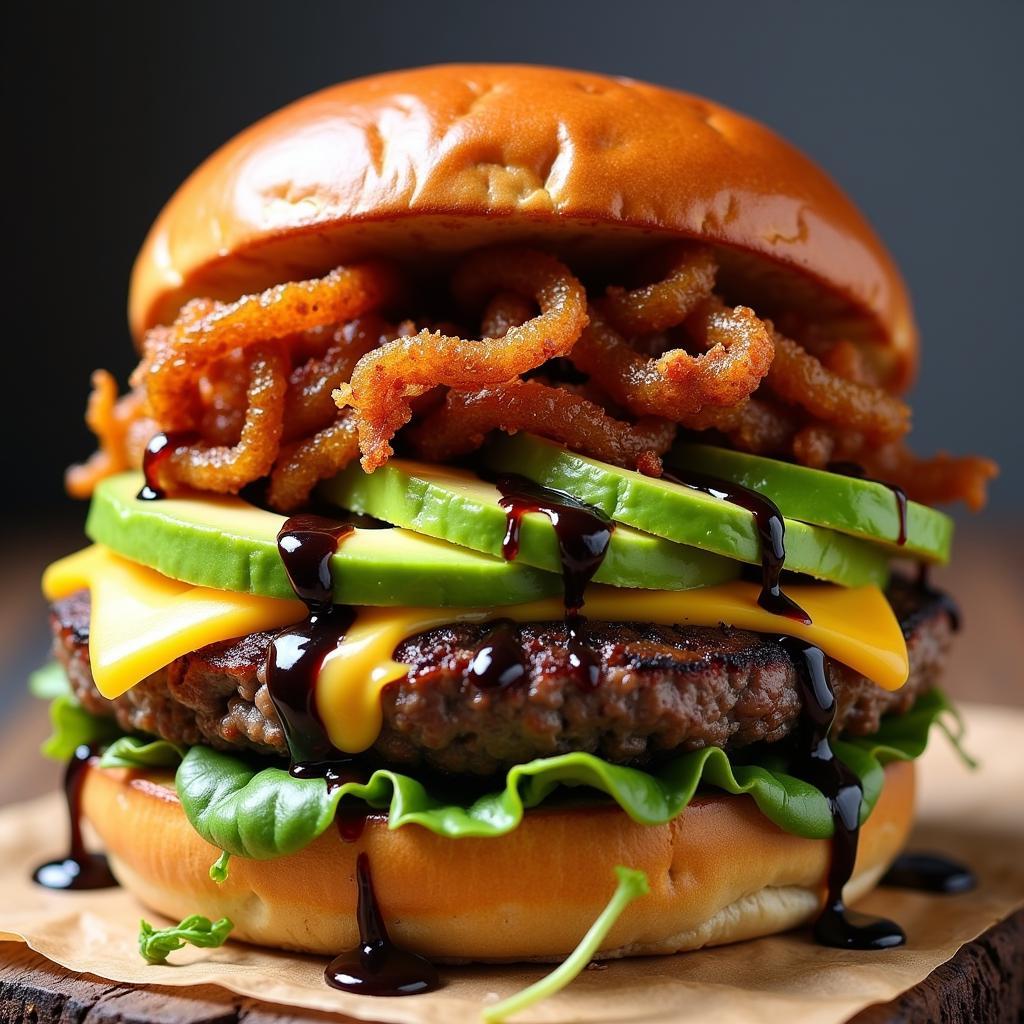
[(983, 984)]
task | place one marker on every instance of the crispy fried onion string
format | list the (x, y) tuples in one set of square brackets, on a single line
[(303, 464), (936, 480), (677, 385), (227, 469), (505, 311), (115, 422), (309, 405), (466, 417), (206, 331), (384, 381), (800, 378), (690, 277)]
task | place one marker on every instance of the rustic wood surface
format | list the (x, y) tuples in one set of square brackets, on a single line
[(983, 983)]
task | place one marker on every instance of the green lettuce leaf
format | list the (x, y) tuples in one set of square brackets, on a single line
[(49, 681), (70, 724), (261, 812), (141, 752)]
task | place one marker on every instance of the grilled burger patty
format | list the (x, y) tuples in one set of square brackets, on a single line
[(660, 689)]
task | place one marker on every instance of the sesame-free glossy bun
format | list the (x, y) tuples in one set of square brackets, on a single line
[(720, 872), (432, 161)]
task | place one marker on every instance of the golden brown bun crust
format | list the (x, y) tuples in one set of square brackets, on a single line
[(450, 157), (719, 873)]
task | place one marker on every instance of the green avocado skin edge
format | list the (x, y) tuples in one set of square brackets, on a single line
[(234, 547), (864, 508), (688, 516), (456, 507)]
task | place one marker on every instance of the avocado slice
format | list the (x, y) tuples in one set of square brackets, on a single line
[(864, 508), (228, 544), (456, 505), (685, 515)]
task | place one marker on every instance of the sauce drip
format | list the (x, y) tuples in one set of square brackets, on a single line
[(79, 870), (771, 529), (583, 535), (306, 544), (817, 764), (377, 967), (929, 872), (900, 495), (498, 658), (160, 448)]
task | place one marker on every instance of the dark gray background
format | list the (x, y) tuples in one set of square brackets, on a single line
[(913, 107)]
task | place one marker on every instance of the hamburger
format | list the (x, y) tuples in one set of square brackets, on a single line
[(508, 494)]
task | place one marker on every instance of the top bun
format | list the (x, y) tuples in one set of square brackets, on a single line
[(441, 159)]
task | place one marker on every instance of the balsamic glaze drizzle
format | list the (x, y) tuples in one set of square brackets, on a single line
[(929, 872), (498, 659), (160, 448), (817, 764), (377, 967), (79, 870), (771, 528), (855, 469), (306, 544), (583, 535)]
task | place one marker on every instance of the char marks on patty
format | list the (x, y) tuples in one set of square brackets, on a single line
[(661, 689)]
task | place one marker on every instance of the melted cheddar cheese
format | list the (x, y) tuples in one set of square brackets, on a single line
[(141, 621)]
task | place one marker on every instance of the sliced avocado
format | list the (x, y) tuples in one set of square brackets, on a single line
[(457, 506), (228, 544), (685, 515), (864, 508)]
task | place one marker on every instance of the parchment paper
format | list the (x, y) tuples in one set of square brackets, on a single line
[(978, 817)]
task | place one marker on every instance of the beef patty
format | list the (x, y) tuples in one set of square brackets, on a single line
[(660, 689)]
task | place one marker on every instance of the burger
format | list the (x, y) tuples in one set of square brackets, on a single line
[(502, 519)]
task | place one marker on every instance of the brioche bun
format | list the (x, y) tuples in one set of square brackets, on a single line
[(720, 872), (433, 161)]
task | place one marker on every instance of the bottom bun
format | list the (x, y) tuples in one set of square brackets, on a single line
[(720, 872)]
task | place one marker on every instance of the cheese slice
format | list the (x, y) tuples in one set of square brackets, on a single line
[(856, 626), (141, 621)]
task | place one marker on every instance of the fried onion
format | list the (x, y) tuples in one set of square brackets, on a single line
[(677, 385), (466, 418), (206, 331), (798, 377), (301, 466), (227, 469), (936, 480), (112, 420), (384, 381), (690, 278), (309, 405)]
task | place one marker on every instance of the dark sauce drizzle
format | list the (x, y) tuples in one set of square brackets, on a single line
[(160, 448), (817, 764), (498, 659), (929, 872), (306, 544), (771, 528), (583, 535), (900, 495), (79, 870), (377, 967)]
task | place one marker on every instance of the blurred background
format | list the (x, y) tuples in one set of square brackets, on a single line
[(914, 108)]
